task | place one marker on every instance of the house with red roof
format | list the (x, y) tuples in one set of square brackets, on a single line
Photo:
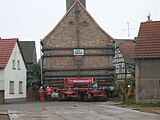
[(147, 56), (12, 71), (123, 59)]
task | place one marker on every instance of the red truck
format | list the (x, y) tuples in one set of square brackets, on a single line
[(81, 89)]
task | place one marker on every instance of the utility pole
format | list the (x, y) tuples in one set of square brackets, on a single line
[(41, 63)]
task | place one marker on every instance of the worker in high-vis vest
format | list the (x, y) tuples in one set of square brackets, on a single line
[(48, 93), (41, 94)]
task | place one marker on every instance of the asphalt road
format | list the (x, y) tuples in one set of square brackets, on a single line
[(73, 111)]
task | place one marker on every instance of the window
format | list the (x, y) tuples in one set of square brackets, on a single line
[(119, 76), (20, 87), (11, 87), (13, 64), (122, 65), (120, 68), (121, 55), (18, 64)]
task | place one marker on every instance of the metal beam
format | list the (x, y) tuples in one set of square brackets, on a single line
[(82, 75), (71, 55), (72, 48), (62, 78), (82, 69)]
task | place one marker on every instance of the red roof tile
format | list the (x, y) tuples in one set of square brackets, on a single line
[(127, 50), (6, 48), (148, 40)]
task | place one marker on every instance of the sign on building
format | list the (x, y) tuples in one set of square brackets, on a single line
[(78, 51)]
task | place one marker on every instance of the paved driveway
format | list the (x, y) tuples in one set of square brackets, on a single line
[(73, 111)]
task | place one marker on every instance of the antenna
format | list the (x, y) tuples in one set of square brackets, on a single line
[(128, 30)]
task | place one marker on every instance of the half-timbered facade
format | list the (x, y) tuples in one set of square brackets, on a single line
[(123, 59)]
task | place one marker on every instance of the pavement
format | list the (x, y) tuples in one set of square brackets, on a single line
[(4, 115), (73, 111)]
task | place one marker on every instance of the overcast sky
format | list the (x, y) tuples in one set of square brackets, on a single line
[(33, 19)]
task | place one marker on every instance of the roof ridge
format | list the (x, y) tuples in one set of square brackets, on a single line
[(8, 38), (150, 21)]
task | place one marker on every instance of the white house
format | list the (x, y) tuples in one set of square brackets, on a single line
[(12, 71)]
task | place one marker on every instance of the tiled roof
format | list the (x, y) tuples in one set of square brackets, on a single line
[(29, 51), (6, 48), (127, 50), (148, 40)]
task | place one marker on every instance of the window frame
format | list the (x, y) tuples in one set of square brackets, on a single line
[(14, 64), (11, 87), (18, 65), (20, 87)]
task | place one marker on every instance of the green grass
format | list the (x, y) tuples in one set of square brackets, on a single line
[(116, 99), (1, 104), (133, 103)]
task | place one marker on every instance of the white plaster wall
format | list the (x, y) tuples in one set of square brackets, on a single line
[(15, 75), (2, 79)]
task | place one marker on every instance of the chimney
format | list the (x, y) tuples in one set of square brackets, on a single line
[(69, 3)]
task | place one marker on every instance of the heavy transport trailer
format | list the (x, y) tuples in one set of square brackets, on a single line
[(80, 89)]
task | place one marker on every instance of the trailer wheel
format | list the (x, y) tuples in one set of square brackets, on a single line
[(59, 97), (104, 99), (78, 98), (85, 98)]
